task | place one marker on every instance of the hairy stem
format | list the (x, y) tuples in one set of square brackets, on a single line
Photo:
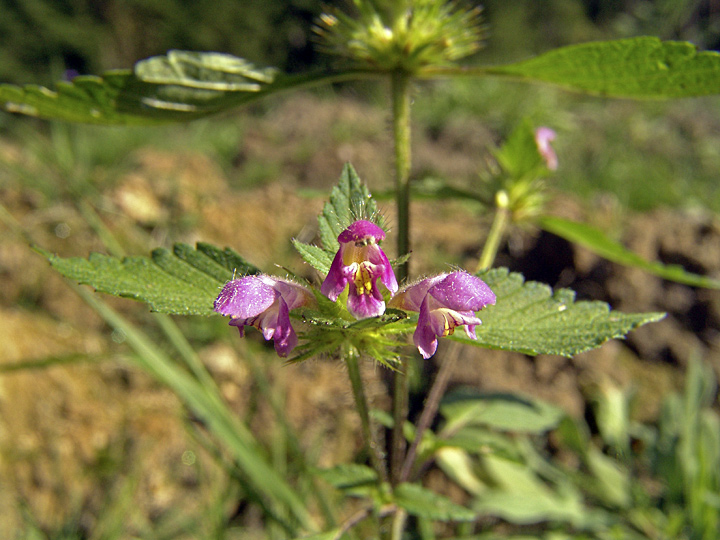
[(351, 359), (400, 84), (400, 88)]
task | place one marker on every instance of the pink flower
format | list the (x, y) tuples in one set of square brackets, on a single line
[(264, 302), (444, 302), (543, 137), (359, 263)]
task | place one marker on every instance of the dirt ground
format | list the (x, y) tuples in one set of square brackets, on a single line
[(76, 433)]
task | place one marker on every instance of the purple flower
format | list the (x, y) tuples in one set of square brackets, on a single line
[(360, 262), (264, 302), (444, 302), (543, 137)]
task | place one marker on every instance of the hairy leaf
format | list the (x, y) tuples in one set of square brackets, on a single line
[(179, 86), (530, 318), (643, 67), (182, 282), (209, 71), (597, 242), (349, 201), (315, 256)]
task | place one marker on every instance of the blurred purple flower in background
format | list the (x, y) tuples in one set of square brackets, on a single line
[(543, 137)]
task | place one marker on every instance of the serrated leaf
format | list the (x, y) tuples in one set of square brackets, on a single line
[(348, 476), (185, 281), (597, 242), (504, 412), (208, 70), (179, 86), (349, 201), (315, 256), (419, 501), (530, 318), (641, 67)]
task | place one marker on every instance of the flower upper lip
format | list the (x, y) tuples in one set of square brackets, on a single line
[(362, 231)]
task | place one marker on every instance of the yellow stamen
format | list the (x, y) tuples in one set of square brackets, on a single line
[(363, 279)]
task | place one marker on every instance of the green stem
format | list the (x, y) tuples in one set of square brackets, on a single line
[(398, 525), (400, 406), (351, 359), (400, 88), (497, 231), (400, 82)]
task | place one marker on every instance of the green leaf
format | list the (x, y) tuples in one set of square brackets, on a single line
[(477, 440), (460, 468), (349, 201), (519, 154), (185, 281), (642, 67), (333, 534), (208, 71), (180, 86), (612, 483), (597, 242), (529, 318), (348, 476), (522, 497), (315, 256), (504, 412), (419, 501)]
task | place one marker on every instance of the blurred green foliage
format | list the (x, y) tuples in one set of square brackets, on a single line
[(557, 477), (40, 39)]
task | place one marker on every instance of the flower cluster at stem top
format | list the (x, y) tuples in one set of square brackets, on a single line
[(444, 302)]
